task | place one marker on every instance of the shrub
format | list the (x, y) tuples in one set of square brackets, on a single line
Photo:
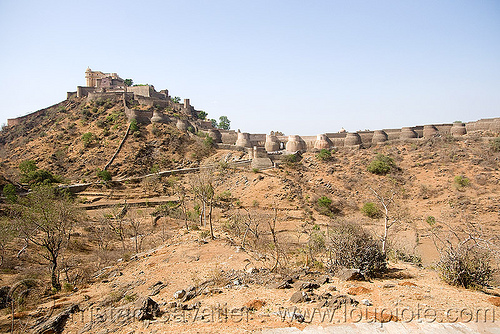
[(369, 209), (87, 139), (255, 170), (224, 196), (461, 182), (350, 246), (134, 127), (431, 220), (324, 206), (495, 144), (291, 159), (208, 142), (9, 191), (104, 175), (27, 166), (324, 155), (324, 202), (381, 165), (465, 265)]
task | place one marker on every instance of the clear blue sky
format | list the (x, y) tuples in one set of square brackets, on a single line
[(301, 67)]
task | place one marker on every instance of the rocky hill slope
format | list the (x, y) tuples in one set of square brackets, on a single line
[(273, 229)]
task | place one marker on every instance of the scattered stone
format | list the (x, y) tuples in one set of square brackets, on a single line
[(407, 284), (309, 286), (179, 294), (190, 294), (323, 280), (285, 283), (299, 297), (359, 290), (56, 324), (340, 300), (366, 302), (388, 286), (332, 288), (157, 287), (350, 275), (148, 309), (172, 305), (252, 270)]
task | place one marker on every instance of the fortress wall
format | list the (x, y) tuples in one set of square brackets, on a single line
[(150, 101), (82, 91), (70, 95), (444, 129), (41, 112), (419, 129), (392, 134), (140, 90), (229, 136), (487, 124), (309, 140), (105, 95), (338, 142), (366, 136), (258, 139)]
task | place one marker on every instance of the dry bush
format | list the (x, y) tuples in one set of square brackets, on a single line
[(466, 256), (466, 266), (350, 246)]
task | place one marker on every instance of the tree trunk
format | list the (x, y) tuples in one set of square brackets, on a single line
[(210, 222), (54, 275)]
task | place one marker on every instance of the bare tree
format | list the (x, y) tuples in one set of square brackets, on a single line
[(202, 185), (392, 213), (6, 236), (46, 218)]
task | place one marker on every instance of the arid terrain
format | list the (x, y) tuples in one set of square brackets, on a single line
[(142, 257)]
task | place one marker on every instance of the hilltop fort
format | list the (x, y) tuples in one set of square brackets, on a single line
[(111, 86)]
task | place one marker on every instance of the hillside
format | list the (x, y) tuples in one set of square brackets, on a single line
[(272, 228)]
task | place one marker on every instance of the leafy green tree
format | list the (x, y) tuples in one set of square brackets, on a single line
[(129, 82), (224, 123), (9, 191), (32, 175), (202, 114), (214, 123), (175, 99), (46, 218)]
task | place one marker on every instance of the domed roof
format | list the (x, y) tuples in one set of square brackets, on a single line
[(88, 69)]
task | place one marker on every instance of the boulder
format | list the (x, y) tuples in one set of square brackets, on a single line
[(55, 325), (350, 275), (148, 309), (309, 286), (299, 297)]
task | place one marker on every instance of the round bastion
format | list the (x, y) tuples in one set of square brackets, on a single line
[(295, 143), (352, 139), (243, 140), (379, 136), (272, 143), (322, 142)]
